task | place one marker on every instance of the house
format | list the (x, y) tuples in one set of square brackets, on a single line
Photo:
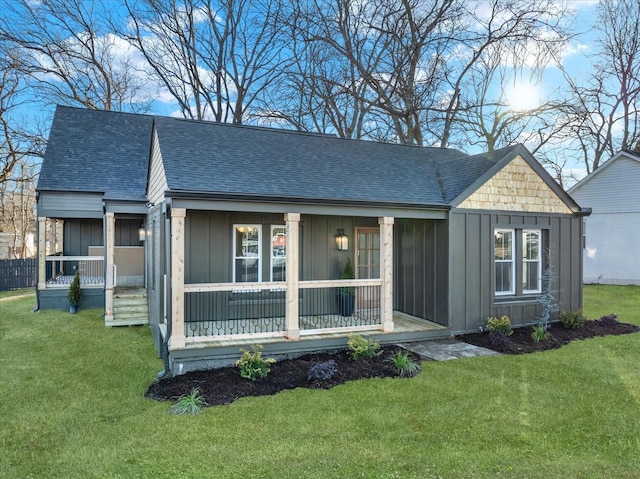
[(219, 236), (612, 231)]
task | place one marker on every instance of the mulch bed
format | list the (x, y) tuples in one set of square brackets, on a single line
[(520, 341), (224, 385)]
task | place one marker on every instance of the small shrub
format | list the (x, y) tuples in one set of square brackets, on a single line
[(499, 338), (362, 348), (404, 364), (75, 293), (502, 324), (252, 365), (609, 321), (573, 319), (322, 371), (191, 403), (540, 334)]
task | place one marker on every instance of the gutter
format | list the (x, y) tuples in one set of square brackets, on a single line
[(199, 195)]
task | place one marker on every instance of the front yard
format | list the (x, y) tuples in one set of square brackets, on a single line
[(72, 401)]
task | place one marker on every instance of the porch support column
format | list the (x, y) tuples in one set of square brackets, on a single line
[(110, 255), (42, 253), (292, 323), (177, 340), (386, 273)]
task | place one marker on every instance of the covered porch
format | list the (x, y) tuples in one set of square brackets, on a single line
[(210, 321)]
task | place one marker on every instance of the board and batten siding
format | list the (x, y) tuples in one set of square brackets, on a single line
[(157, 184), (612, 236), (420, 269), (472, 278)]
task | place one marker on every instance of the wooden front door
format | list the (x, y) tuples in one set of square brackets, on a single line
[(368, 266)]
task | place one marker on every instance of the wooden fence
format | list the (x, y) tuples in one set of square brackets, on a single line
[(18, 273)]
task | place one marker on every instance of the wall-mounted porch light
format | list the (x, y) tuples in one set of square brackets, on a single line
[(342, 240), (142, 233)]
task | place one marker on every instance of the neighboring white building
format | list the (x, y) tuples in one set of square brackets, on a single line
[(612, 233)]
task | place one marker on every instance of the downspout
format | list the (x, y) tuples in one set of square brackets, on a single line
[(37, 308), (167, 299)]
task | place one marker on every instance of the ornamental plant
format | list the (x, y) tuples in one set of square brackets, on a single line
[(573, 319), (502, 324), (191, 403), (75, 293), (362, 348), (322, 371), (404, 364), (252, 365)]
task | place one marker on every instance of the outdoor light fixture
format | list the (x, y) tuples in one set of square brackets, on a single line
[(342, 240), (142, 233)]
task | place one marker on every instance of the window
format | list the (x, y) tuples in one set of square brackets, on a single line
[(278, 253), (531, 263), (517, 253), (504, 249), (247, 253)]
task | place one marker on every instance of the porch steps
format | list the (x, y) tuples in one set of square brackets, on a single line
[(130, 307)]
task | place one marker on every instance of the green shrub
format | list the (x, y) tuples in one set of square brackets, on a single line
[(252, 365), (404, 364), (573, 319), (362, 348), (540, 334), (191, 403), (75, 293), (502, 325)]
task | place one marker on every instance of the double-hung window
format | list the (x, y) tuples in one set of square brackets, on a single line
[(247, 253), (278, 253), (517, 261), (504, 257), (531, 261)]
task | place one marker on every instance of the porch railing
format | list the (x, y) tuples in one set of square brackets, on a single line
[(237, 309), (61, 269)]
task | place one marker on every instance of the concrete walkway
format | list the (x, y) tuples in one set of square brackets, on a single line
[(445, 349)]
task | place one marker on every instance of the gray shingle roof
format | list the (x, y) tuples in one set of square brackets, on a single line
[(108, 152), (239, 160), (97, 151)]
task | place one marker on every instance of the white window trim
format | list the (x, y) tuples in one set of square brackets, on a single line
[(236, 257), (272, 257), (512, 291), (539, 260)]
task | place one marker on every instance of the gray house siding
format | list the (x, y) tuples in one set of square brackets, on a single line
[(421, 268), (69, 205), (208, 259), (155, 272), (471, 281)]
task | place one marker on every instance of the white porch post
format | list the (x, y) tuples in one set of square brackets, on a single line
[(177, 340), (110, 246), (386, 273), (42, 253), (292, 324)]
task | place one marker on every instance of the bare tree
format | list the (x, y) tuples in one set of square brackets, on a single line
[(604, 109), (69, 55), (215, 58)]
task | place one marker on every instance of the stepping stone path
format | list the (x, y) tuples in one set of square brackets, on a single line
[(445, 349)]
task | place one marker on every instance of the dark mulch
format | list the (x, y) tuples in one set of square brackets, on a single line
[(224, 385), (520, 341)]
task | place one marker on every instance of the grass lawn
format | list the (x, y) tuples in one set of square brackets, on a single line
[(72, 406)]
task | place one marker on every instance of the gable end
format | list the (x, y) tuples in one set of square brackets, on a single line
[(516, 187)]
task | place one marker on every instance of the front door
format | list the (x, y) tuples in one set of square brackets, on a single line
[(368, 266)]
